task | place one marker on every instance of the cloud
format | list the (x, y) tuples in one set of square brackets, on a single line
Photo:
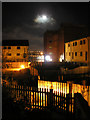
[(35, 41), (31, 31), (44, 19)]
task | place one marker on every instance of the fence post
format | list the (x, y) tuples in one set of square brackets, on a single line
[(67, 104), (50, 99), (75, 105)]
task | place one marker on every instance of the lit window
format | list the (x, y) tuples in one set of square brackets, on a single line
[(50, 53), (18, 54), (18, 47), (50, 47), (9, 47), (80, 53)]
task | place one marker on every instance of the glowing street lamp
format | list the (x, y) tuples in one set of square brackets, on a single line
[(41, 53)]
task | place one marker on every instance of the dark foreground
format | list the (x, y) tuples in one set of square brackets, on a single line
[(16, 111)]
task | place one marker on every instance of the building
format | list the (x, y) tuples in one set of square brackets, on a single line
[(51, 43), (36, 56), (15, 53), (78, 50), (54, 40)]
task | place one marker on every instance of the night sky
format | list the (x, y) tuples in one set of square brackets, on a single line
[(30, 20)]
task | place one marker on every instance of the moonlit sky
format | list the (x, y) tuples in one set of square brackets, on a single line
[(30, 20)]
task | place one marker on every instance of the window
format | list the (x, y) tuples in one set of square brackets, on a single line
[(86, 56), (9, 47), (75, 53), (68, 45), (50, 47), (69, 54), (50, 53), (18, 54), (18, 47), (9, 54), (72, 55), (80, 53), (83, 41), (80, 42), (5, 47), (50, 41), (75, 43)]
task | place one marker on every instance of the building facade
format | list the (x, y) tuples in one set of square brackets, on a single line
[(51, 43), (54, 40), (36, 56), (14, 52), (78, 50)]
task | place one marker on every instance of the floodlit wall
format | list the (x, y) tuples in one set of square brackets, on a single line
[(15, 53), (77, 51)]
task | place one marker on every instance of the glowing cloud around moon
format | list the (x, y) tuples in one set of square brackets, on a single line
[(44, 19)]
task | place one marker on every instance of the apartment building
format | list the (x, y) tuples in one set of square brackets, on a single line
[(15, 52), (78, 50)]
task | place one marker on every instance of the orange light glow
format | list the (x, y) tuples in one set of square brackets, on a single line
[(22, 66), (41, 53)]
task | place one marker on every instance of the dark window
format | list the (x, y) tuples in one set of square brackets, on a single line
[(50, 41), (83, 41), (72, 55), (80, 53), (68, 45), (18, 47), (75, 43), (5, 48), (9, 54), (80, 42), (9, 47), (86, 56), (75, 53), (69, 54), (18, 54)]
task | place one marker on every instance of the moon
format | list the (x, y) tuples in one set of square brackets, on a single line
[(44, 19)]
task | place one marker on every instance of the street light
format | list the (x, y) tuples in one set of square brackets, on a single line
[(48, 58)]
